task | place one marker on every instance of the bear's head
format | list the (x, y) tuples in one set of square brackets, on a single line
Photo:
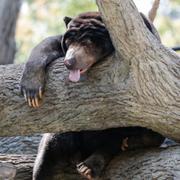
[(85, 42)]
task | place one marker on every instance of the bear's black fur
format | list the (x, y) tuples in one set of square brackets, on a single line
[(90, 151), (86, 36)]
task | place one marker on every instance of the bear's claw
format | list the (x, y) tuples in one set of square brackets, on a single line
[(124, 144), (40, 93), (84, 171), (32, 97)]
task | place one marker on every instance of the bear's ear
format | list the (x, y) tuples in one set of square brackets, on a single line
[(67, 20)]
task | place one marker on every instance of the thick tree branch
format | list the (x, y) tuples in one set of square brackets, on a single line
[(154, 69), (144, 164), (128, 32), (86, 102), (139, 89)]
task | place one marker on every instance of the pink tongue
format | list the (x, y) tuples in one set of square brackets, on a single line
[(74, 75)]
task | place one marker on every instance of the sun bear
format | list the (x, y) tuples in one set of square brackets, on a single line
[(85, 42)]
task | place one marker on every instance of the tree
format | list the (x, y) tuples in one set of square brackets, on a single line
[(9, 10), (137, 86)]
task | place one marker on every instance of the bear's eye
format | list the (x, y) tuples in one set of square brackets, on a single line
[(72, 33), (88, 41), (68, 42)]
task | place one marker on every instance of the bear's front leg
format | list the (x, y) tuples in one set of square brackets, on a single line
[(94, 165), (33, 78)]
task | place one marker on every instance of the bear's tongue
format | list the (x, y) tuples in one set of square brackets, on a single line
[(74, 75)]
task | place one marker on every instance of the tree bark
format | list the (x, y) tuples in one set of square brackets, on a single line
[(9, 10), (145, 164), (142, 164), (138, 86), (17, 167), (19, 144), (154, 69)]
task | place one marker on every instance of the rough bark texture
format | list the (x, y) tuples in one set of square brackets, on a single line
[(9, 10), (143, 164), (137, 87), (18, 167), (19, 144), (148, 164), (154, 70)]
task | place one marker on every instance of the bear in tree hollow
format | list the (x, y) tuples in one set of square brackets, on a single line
[(85, 42)]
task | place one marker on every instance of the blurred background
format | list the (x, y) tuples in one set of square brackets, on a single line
[(27, 22), (39, 19)]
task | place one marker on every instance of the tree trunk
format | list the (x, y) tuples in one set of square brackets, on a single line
[(143, 164), (9, 10)]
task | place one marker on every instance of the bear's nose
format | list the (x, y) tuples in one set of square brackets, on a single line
[(70, 63)]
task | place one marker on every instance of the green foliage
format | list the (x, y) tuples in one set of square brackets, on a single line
[(169, 31)]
